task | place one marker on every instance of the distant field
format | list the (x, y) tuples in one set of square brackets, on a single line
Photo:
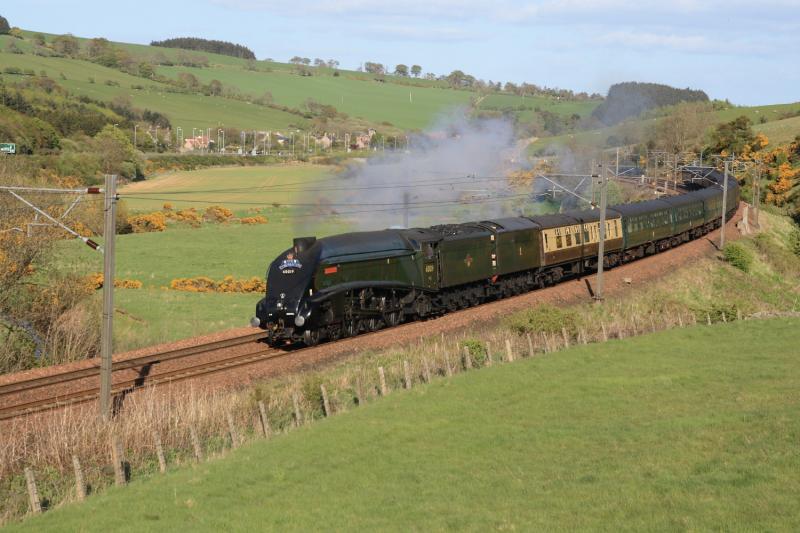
[(185, 110), (780, 131), (690, 429), (405, 103)]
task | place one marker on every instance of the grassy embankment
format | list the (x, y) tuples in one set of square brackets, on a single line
[(686, 429)]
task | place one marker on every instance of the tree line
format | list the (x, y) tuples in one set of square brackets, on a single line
[(630, 99), (207, 45)]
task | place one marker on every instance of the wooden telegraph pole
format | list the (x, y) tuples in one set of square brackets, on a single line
[(106, 337)]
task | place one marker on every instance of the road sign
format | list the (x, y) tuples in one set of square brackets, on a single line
[(8, 148)]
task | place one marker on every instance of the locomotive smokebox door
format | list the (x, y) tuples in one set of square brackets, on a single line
[(430, 267)]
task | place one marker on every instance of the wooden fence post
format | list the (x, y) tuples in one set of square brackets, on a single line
[(467, 359), (262, 413), (509, 353), (382, 377), (447, 369), (566, 337), (545, 343), (680, 321), (426, 370), (738, 314), (407, 374), (33, 492), (652, 324), (162, 461), (530, 346), (298, 416), (232, 430), (724, 318), (117, 460), (80, 484), (605, 334), (198, 451), (359, 391), (708, 319), (325, 403)]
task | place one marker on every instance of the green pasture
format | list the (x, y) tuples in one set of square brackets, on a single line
[(780, 131), (526, 106), (689, 429), (184, 110), (403, 106)]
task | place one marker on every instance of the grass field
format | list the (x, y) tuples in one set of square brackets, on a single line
[(687, 429), (778, 130)]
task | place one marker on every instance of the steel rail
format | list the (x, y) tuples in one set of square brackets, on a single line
[(126, 364), (134, 384)]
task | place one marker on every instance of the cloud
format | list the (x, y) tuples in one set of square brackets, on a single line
[(419, 33)]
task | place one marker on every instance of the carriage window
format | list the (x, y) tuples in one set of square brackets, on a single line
[(577, 237), (559, 244), (546, 244), (569, 239), (586, 236), (429, 251)]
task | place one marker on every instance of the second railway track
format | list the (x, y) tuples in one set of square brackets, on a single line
[(28, 401)]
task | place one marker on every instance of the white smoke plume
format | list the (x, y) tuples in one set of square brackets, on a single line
[(454, 172)]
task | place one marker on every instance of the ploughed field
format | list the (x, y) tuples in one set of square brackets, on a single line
[(691, 428)]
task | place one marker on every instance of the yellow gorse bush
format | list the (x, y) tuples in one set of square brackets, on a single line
[(148, 223), (254, 220), (227, 284), (95, 281)]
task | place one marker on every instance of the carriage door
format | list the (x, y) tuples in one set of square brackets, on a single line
[(430, 267)]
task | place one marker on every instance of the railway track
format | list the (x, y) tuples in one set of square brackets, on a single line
[(90, 391)]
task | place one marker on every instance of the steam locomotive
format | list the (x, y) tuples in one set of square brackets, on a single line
[(343, 285)]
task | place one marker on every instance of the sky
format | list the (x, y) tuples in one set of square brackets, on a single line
[(742, 50)]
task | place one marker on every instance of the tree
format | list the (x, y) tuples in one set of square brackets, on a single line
[(215, 87), (306, 61), (401, 70), (683, 128), (97, 47), (146, 70), (297, 60), (416, 70), (332, 63), (735, 136), (188, 80), (114, 149), (4, 26), (66, 45), (39, 39), (374, 68), (319, 62)]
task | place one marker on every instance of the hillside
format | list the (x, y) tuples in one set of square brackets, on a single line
[(385, 101), (685, 429)]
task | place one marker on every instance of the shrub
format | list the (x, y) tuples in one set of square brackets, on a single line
[(253, 220), (217, 213), (477, 351), (738, 256), (148, 223), (794, 241), (95, 282), (545, 317), (227, 284)]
